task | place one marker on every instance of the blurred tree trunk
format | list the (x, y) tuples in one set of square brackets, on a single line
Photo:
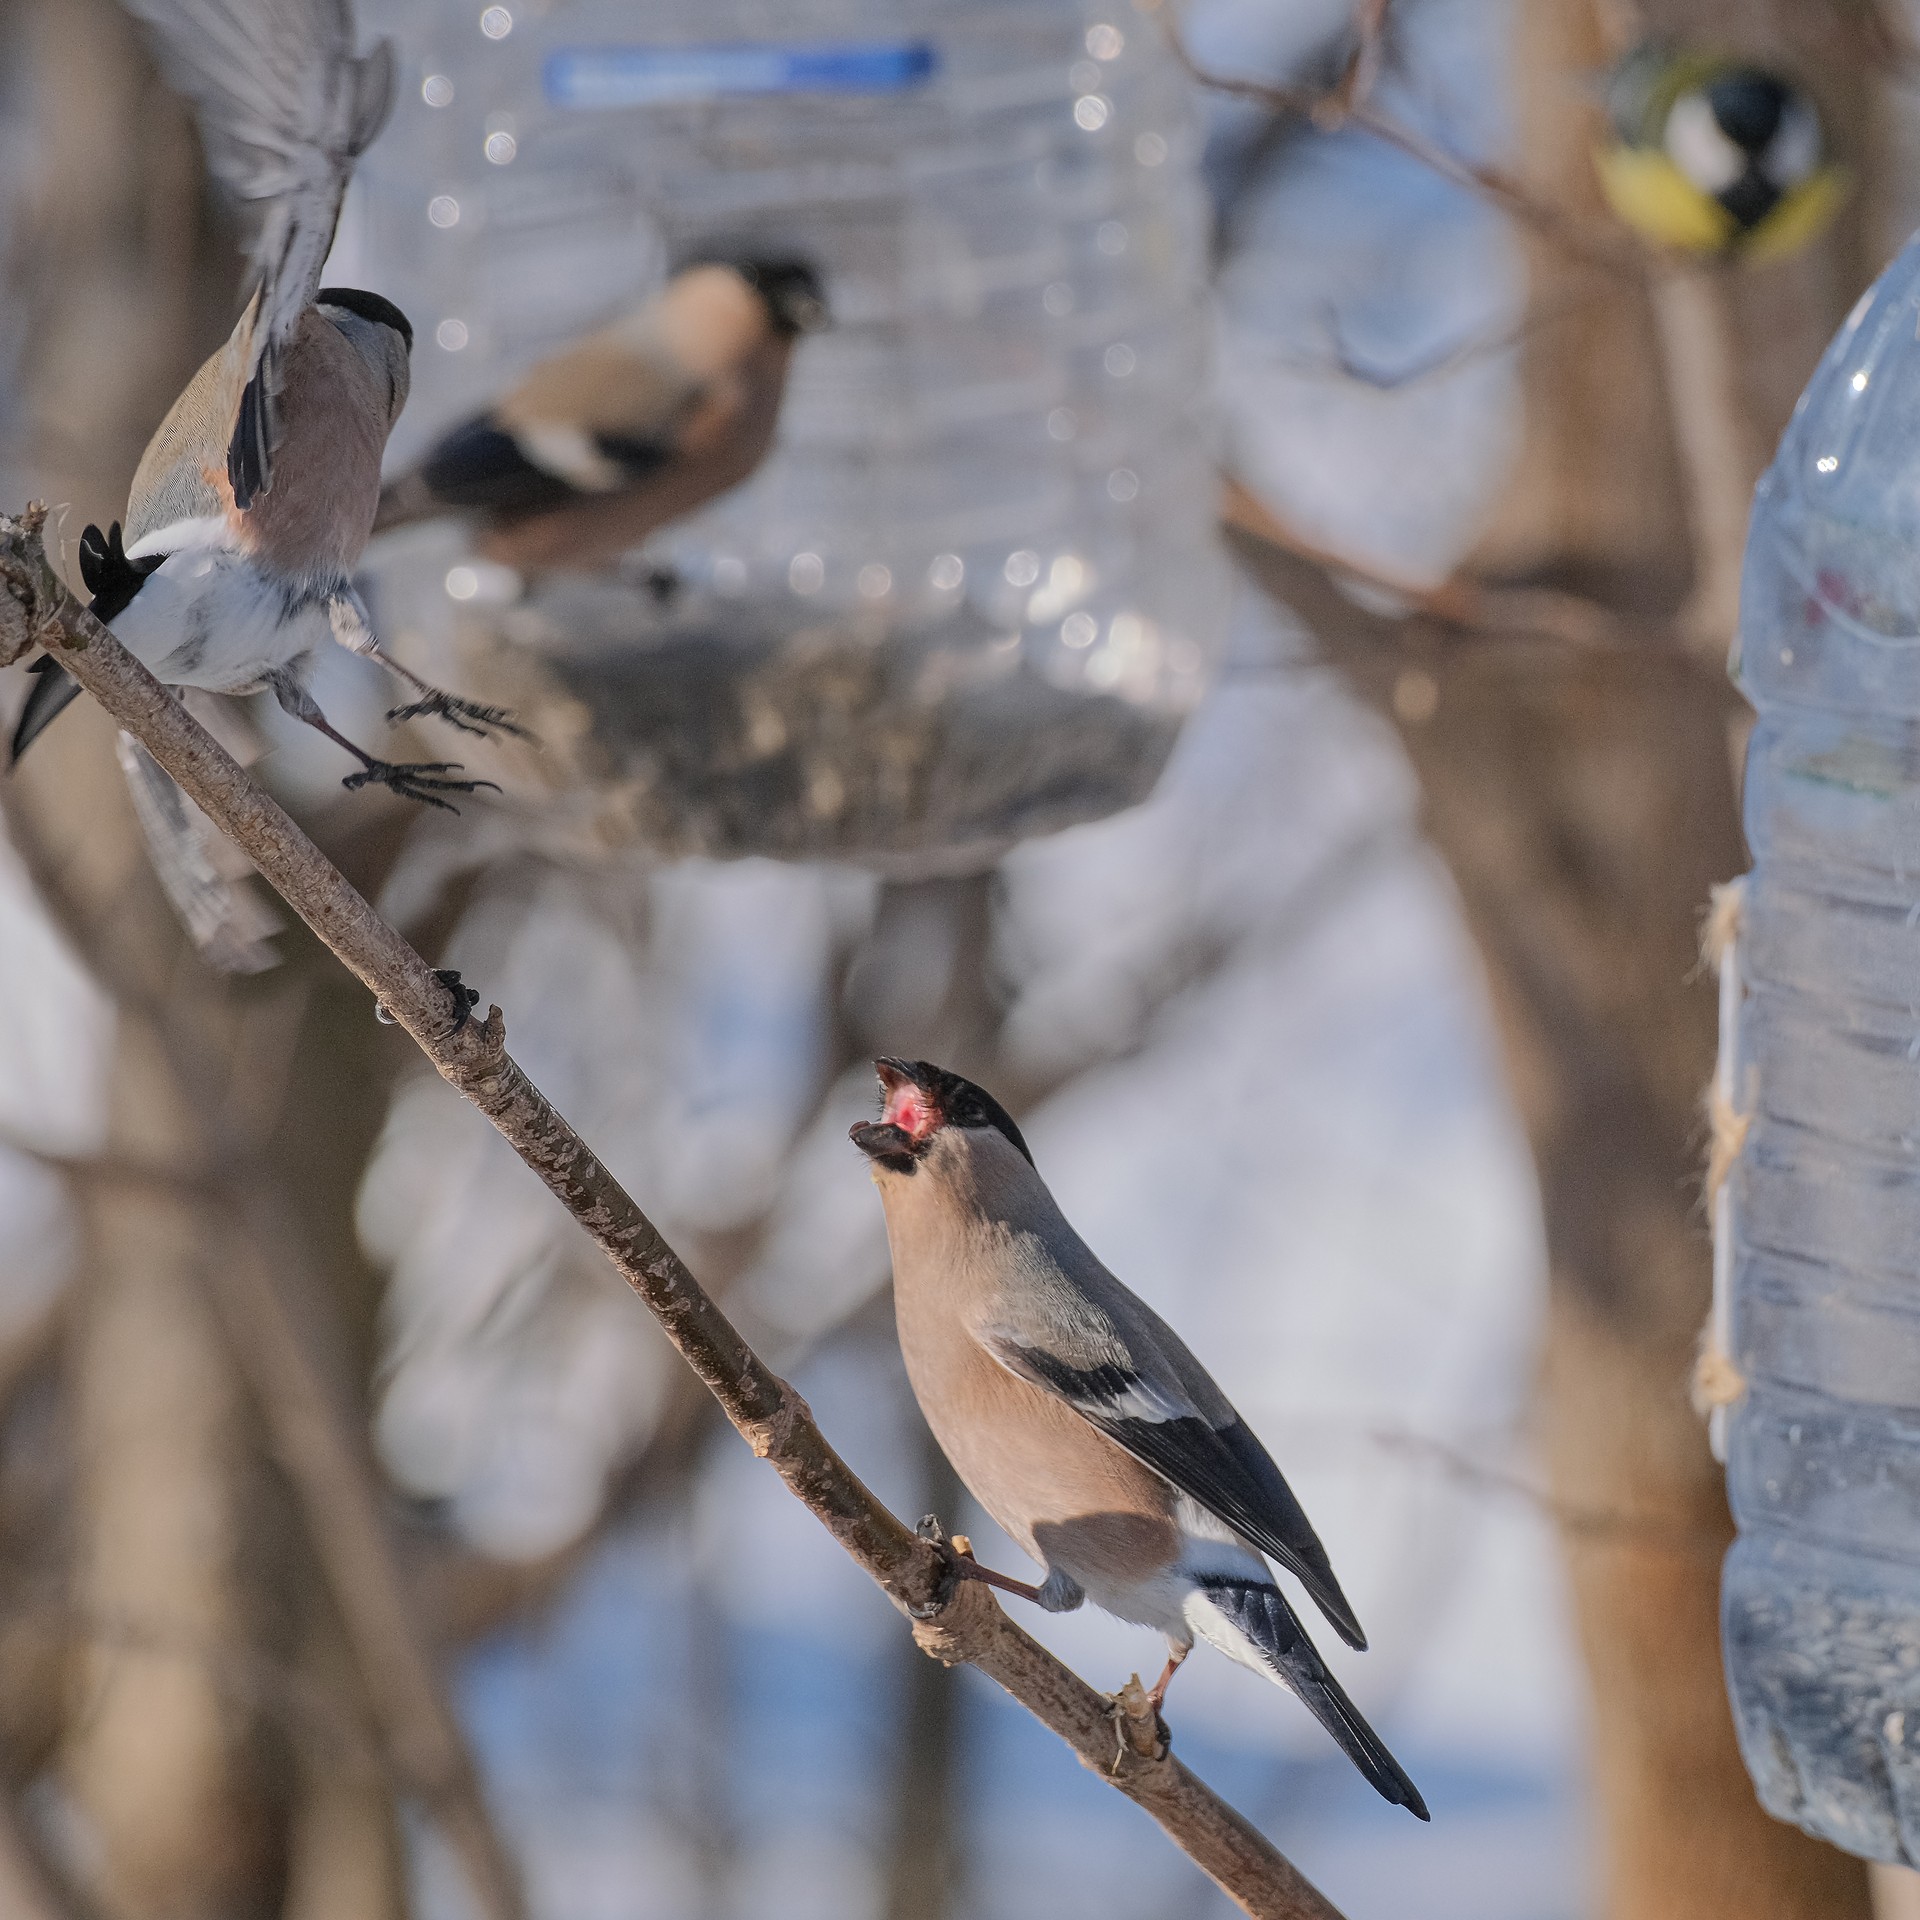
[(344, 1859), (1583, 802), (157, 1758), (1586, 812), (162, 1764)]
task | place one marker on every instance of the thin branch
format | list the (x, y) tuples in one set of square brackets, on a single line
[(1369, 46), (249, 1678), (955, 1619), (1589, 1525), (319, 1451), (1469, 612), (1341, 362), (1332, 109)]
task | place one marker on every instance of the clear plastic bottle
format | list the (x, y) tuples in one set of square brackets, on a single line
[(1821, 1593), (974, 589)]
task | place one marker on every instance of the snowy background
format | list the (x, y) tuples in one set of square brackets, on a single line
[(1274, 1109)]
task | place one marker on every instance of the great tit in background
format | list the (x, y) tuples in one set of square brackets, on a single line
[(629, 428), (1711, 156), (1076, 1416)]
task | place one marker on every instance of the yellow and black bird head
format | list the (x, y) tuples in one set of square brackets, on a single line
[(1708, 155)]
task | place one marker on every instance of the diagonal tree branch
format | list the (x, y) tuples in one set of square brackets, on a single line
[(955, 1620)]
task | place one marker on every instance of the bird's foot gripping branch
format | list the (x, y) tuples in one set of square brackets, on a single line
[(956, 1620)]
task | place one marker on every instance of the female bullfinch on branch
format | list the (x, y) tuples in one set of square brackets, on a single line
[(255, 498), (629, 428), (1080, 1421)]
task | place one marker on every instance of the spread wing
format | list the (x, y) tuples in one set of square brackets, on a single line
[(285, 108), (1138, 1385)]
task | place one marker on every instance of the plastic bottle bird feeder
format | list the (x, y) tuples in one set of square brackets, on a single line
[(1818, 1254), (973, 590)]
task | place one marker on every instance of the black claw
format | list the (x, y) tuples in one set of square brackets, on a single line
[(467, 715), (420, 780), (465, 998)]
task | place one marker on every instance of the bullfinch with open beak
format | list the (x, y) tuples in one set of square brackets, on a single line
[(254, 500), (1079, 1420), (629, 428)]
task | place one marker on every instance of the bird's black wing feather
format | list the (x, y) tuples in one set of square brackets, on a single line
[(54, 690), (482, 467), (1261, 1613), (1223, 1468)]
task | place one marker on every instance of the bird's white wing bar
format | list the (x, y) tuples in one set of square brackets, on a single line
[(285, 108), (183, 536), (1218, 1464)]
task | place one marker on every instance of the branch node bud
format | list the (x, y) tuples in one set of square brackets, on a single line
[(1137, 1726)]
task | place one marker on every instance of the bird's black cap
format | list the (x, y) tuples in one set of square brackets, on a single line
[(920, 1099), (1748, 105), (369, 306)]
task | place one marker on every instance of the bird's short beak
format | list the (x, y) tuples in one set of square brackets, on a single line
[(888, 1145), (908, 1117)]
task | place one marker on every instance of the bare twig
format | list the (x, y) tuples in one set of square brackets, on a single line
[(956, 1619), (1369, 44), (1469, 612), (318, 1450), (1590, 1525), (1345, 105), (250, 1678)]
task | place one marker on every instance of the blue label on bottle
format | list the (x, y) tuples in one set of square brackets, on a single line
[(588, 77)]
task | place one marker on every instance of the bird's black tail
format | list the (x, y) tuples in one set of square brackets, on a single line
[(114, 582), (54, 689), (1260, 1614)]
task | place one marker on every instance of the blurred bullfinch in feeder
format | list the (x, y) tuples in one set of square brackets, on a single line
[(629, 428), (1080, 1421), (254, 500)]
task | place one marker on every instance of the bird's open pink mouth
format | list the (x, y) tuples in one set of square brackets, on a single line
[(909, 1118), (907, 1104)]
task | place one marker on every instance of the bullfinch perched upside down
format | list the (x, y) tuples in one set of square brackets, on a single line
[(254, 500), (1078, 1419), (629, 428)]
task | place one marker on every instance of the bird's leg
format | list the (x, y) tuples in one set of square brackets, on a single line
[(971, 1569), (422, 780), (353, 628), (1158, 1695), (438, 704)]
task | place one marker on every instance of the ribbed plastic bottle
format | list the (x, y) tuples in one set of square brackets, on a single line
[(1821, 1592), (975, 588)]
